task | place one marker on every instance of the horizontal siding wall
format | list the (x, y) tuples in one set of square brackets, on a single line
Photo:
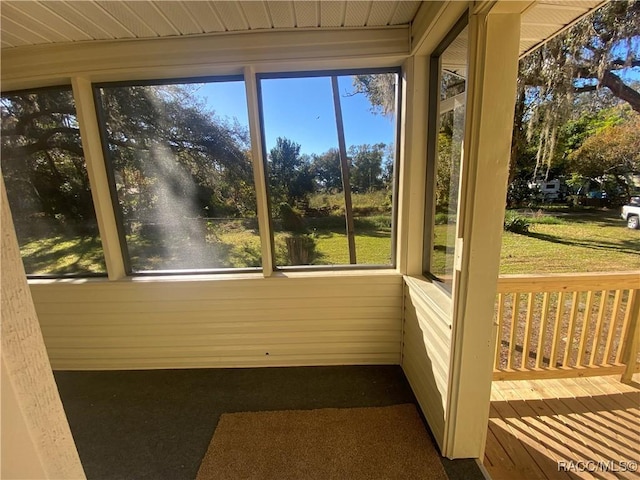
[(286, 320), (426, 356)]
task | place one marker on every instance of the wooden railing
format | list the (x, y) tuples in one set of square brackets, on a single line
[(567, 325)]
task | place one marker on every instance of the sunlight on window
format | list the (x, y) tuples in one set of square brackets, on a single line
[(182, 175), (306, 171)]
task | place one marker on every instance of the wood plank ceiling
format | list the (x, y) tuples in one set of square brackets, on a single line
[(55, 21), (39, 22)]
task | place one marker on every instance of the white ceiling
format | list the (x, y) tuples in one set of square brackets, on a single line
[(40, 22), (546, 18), (54, 21)]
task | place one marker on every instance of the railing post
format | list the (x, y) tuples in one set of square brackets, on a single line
[(631, 339)]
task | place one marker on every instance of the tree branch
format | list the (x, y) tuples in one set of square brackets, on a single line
[(621, 90), (586, 88)]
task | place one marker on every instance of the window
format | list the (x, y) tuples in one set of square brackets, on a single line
[(330, 149), (445, 146), (47, 184), (181, 175)]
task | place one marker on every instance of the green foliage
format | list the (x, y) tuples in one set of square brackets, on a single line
[(326, 172), (518, 193), (380, 90), (369, 203), (568, 76), (612, 154), (164, 142), (300, 249), (540, 218), (42, 157), (441, 218), (291, 220), (366, 167), (516, 223), (443, 169), (290, 175)]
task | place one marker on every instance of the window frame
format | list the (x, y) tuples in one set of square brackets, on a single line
[(395, 181), (56, 276), (433, 123), (102, 124)]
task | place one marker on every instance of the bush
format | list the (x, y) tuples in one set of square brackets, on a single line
[(513, 222), (300, 249), (441, 219), (291, 220)]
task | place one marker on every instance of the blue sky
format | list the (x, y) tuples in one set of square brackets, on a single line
[(301, 109)]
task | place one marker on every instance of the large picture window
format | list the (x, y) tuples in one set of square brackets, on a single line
[(180, 165), (47, 184), (330, 149), (445, 148)]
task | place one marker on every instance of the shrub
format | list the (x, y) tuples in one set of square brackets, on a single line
[(301, 249), (513, 222), (291, 220), (441, 219)]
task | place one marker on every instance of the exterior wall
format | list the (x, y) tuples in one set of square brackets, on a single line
[(286, 320)]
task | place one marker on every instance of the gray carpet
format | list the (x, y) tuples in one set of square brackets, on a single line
[(157, 424)]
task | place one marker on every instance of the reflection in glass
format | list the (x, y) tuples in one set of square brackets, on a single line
[(182, 175), (305, 172), (47, 184), (451, 118)]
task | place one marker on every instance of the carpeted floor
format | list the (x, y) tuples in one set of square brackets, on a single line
[(325, 444), (157, 424)]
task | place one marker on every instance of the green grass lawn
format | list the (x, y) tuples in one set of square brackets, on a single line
[(60, 254), (590, 241)]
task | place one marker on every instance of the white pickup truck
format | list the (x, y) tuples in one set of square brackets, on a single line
[(631, 213)]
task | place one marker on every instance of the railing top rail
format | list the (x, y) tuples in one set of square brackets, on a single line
[(568, 282)]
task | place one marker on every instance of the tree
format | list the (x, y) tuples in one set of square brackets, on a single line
[(366, 167), (290, 177), (162, 139), (155, 135), (586, 58), (325, 169), (612, 151), (42, 157), (380, 89)]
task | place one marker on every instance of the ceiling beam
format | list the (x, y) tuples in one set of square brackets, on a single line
[(209, 54)]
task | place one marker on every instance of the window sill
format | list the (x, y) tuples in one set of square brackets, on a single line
[(437, 303), (390, 272)]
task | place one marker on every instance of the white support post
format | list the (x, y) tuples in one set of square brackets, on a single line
[(36, 439), (411, 195), (259, 174), (97, 172), (493, 70)]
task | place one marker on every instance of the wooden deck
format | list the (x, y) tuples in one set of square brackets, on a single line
[(538, 426)]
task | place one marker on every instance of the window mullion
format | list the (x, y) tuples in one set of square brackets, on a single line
[(98, 180), (255, 130)]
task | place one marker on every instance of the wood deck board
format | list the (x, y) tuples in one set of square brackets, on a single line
[(534, 424), (538, 451)]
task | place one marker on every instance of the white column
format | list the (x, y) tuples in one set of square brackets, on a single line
[(36, 439), (413, 158), (493, 69)]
